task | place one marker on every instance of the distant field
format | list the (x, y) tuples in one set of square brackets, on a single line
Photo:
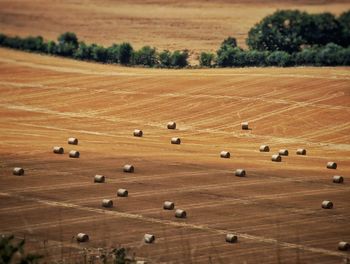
[(275, 210), (194, 25)]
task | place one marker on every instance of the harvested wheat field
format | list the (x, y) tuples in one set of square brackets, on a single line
[(275, 210)]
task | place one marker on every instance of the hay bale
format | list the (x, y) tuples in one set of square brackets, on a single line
[(122, 193), (225, 154), (141, 262), (107, 203), (74, 154), (73, 141), (301, 151), (18, 171), (99, 178), (81, 237), (176, 141), (168, 205), (179, 213), (240, 173), (138, 133), (58, 150), (338, 179), (171, 125), (264, 148), (283, 152), (149, 238), (231, 238), (245, 125), (276, 158), (331, 165), (128, 168), (327, 205), (343, 246)]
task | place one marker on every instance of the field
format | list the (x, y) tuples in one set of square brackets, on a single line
[(275, 210)]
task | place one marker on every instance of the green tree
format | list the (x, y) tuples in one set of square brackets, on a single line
[(344, 22), (206, 59), (68, 37), (330, 55), (279, 58), (124, 53), (164, 59), (230, 41), (113, 53), (146, 56), (179, 59), (98, 53), (51, 47)]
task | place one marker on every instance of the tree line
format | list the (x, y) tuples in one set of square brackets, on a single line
[(285, 38)]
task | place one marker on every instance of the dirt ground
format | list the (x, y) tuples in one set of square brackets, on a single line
[(193, 25), (275, 210)]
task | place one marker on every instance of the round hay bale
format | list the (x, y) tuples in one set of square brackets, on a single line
[(74, 154), (338, 179), (176, 141), (58, 150), (138, 133), (149, 238), (18, 171), (141, 262), (99, 178), (264, 148), (225, 154), (179, 213), (301, 151), (240, 173), (245, 125), (81, 237), (73, 141), (327, 205), (128, 168), (171, 125), (231, 238), (343, 246), (122, 193), (283, 152), (107, 203), (168, 205), (276, 158), (331, 165)]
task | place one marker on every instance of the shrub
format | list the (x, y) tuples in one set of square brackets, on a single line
[(164, 59), (279, 58), (146, 56), (255, 58), (230, 41), (344, 22), (330, 55), (51, 47), (228, 56), (206, 59), (98, 53), (83, 52), (34, 44), (113, 53), (306, 57), (178, 59), (68, 37), (125, 51)]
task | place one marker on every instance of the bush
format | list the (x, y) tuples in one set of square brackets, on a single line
[(113, 53), (68, 37), (344, 22), (146, 56), (279, 58), (330, 55), (34, 44), (98, 53), (306, 57), (179, 59), (164, 59), (206, 59), (255, 58), (125, 51), (230, 41), (228, 56), (51, 47)]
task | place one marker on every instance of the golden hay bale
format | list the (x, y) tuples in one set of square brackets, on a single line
[(74, 154), (179, 213), (122, 193), (245, 125), (176, 141), (138, 133), (171, 125), (107, 203), (73, 141), (264, 148), (149, 238), (327, 205), (231, 238), (343, 246), (301, 151), (81, 237), (225, 154), (331, 165), (128, 168), (276, 158), (338, 179), (99, 178), (168, 205), (18, 171), (58, 150), (240, 173), (283, 152)]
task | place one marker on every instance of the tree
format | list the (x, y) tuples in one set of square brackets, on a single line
[(344, 22), (206, 59), (125, 51), (306, 57), (34, 44), (230, 41), (330, 55), (51, 47), (227, 56), (68, 37), (255, 58), (113, 53), (164, 59), (146, 56), (279, 58), (179, 59), (98, 53)]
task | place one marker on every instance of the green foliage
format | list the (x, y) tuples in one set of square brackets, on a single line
[(344, 22), (306, 57), (68, 38), (98, 53), (113, 53), (178, 59), (255, 58), (228, 56), (329, 55), (230, 41), (13, 252), (146, 56), (164, 59), (279, 58), (51, 47), (206, 59), (125, 51), (83, 52)]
